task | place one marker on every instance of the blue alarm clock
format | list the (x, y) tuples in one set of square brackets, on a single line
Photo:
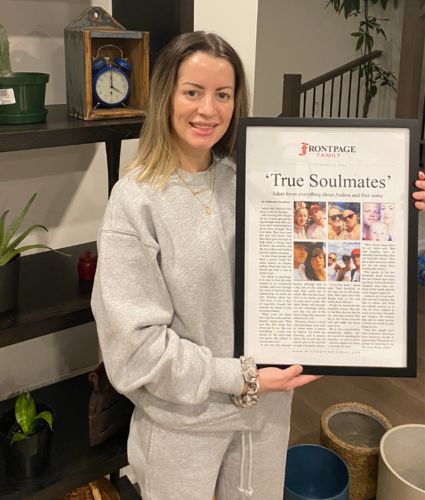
[(110, 80)]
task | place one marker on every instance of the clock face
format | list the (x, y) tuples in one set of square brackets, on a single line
[(112, 86)]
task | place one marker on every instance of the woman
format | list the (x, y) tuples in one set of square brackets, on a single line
[(163, 294), (315, 264)]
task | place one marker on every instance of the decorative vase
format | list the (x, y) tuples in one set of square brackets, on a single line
[(315, 472), (87, 265), (9, 284), (29, 457), (401, 471), (23, 97)]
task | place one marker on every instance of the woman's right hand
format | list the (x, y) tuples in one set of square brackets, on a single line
[(278, 380)]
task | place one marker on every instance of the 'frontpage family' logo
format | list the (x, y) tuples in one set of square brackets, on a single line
[(325, 151)]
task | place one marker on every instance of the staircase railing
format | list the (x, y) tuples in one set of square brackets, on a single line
[(338, 93)]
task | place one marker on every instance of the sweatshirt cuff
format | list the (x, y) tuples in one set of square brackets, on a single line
[(227, 376)]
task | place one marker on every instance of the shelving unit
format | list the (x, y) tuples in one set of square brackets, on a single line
[(52, 299)]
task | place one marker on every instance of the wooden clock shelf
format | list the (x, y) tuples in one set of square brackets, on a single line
[(52, 298)]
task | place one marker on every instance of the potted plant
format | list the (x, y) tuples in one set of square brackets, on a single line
[(22, 94), (10, 251), (25, 431), (369, 27)]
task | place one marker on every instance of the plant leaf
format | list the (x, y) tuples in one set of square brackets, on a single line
[(4, 259), (2, 223), (359, 42), (13, 244), (47, 417), (18, 436), (18, 221), (25, 411)]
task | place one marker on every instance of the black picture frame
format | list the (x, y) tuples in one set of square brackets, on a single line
[(248, 127)]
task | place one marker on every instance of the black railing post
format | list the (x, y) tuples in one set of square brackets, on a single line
[(291, 95)]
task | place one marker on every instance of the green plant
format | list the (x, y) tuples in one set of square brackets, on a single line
[(369, 26), (27, 417), (9, 244), (5, 67)]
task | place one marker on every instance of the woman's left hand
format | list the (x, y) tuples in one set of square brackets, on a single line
[(419, 196)]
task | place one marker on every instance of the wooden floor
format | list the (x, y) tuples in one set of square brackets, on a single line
[(401, 400)]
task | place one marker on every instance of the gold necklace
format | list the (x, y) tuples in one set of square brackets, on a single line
[(208, 208)]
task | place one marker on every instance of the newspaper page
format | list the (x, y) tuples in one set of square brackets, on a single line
[(326, 245)]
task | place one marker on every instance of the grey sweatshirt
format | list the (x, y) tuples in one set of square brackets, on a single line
[(163, 301)]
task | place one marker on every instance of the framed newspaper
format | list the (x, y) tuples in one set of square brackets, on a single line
[(326, 245)]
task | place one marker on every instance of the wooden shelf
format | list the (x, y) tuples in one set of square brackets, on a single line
[(73, 462), (51, 296), (62, 130)]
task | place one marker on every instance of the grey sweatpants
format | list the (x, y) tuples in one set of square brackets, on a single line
[(178, 465)]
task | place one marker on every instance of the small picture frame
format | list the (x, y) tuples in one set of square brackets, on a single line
[(326, 245)]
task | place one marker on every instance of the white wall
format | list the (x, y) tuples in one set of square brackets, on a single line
[(236, 22)]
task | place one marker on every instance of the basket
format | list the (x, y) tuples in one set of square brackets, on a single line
[(354, 431), (101, 489)]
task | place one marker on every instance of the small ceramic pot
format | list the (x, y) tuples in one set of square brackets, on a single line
[(29, 457)]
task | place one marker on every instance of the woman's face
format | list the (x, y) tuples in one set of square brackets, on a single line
[(317, 262), (202, 104), (301, 216), (387, 213)]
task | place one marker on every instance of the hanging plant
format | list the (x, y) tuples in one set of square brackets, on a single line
[(369, 28)]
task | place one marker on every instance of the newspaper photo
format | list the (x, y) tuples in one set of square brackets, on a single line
[(325, 228)]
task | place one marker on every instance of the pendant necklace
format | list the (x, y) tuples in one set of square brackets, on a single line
[(195, 194)]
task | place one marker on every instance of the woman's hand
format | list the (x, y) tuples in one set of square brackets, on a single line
[(278, 380), (419, 196)]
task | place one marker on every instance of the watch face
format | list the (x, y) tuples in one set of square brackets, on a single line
[(112, 86)]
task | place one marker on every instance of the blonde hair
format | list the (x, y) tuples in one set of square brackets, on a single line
[(156, 154)]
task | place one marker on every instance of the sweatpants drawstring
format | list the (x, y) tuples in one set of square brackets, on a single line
[(248, 491)]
